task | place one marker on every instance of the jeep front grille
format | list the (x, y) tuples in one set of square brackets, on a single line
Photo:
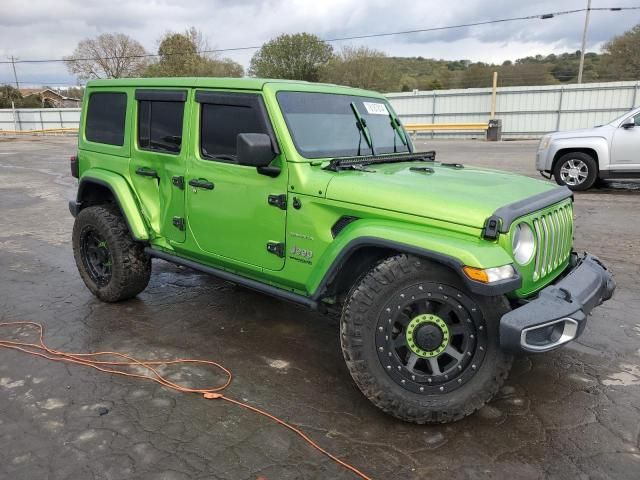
[(554, 236)]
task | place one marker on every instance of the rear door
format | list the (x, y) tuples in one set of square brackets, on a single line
[(625, 148), (158, 158)]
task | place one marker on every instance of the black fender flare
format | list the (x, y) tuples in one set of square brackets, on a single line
[(498, 288)]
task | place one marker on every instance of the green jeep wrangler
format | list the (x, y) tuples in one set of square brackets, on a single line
[(314, 194)]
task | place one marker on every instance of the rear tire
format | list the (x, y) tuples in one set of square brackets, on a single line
[(112, 265), (576, 170), (386, 310)]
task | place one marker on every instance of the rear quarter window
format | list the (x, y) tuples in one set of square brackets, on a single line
[(106, 115)]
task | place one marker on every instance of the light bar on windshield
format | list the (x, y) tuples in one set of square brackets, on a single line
[(346, 163)]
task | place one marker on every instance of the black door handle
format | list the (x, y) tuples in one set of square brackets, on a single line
[(201, 183), (147, 172)]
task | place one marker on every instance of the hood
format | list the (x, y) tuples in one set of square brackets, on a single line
[(600, 131), (465, 196)]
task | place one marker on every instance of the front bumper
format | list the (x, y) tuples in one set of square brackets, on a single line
[(541, 160), (559, 313)]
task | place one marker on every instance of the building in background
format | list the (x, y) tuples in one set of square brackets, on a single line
[(50, 98)]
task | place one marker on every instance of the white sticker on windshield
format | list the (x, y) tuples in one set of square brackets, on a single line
[(376, 108)]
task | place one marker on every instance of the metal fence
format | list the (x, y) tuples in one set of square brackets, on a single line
[(526, 112), (25, 119)]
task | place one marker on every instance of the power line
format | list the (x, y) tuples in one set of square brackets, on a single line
[(41, 82), (487, 22), (544, 16)]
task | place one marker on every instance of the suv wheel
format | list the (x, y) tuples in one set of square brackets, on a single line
[(112, 265), (576, 170), (419, 345)]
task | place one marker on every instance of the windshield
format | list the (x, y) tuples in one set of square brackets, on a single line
[(325, 125), (626, 115)]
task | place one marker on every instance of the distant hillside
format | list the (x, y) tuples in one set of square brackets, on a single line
[(429, 74)]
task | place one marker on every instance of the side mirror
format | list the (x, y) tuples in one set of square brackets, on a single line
[(254, 149), (628, 125)]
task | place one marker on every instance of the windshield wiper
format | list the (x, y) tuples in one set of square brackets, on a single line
[(395, 124), (363, 129)]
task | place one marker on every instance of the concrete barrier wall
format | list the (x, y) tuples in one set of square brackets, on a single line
[(39, 118)]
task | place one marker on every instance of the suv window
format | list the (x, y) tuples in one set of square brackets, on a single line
[(106, 115), (223, 117), (160, 125), (636, 120)]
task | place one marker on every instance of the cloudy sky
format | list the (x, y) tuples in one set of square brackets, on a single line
[(44, 29)]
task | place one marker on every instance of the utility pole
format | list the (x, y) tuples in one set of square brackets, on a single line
[(15, 75), (584, 41), (494, 91)]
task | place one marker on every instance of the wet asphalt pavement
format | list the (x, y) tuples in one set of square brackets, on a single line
[(573, 413)]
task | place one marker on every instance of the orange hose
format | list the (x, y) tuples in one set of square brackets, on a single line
[(41, 349)]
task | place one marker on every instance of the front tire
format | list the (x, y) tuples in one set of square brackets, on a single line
[(419, 345), (112, 265), (576, 170)]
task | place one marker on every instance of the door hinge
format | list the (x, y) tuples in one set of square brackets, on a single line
[(491, 228), (178, 181), (277, 248), (178, 222), (279, 201)]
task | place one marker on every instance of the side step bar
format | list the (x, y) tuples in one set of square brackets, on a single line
[(232, 277)]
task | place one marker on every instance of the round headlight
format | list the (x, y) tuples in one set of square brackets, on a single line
[(523, 244)]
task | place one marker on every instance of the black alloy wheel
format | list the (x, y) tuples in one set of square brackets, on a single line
[(95, 256), (431, 338)]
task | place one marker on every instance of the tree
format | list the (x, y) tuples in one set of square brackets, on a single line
[(361, 67), (294, 57), (185, 55), (72, 92), (110, 55), (224, 67), (178, 56), (408, 83), (9, 94), (435, 85), (623, 55)]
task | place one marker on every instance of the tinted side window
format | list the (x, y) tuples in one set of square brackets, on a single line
[(105, 118), (160, 125), (636, 120), (221, 124)]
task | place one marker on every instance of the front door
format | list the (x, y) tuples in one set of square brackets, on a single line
[(158, 159), (228, 208), (625, 149)]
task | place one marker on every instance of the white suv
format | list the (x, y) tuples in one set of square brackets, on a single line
[(578, 158)]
